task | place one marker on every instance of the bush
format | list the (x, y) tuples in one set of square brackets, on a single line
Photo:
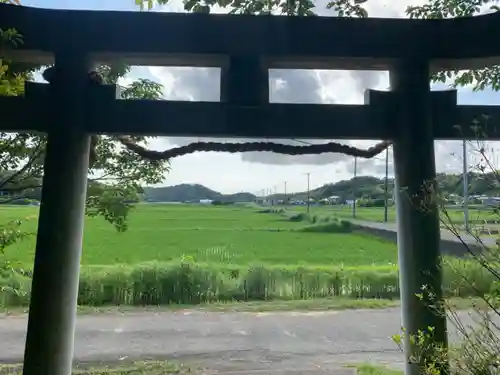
[(330, 226), (370, 203), (20, 201), (221, 203), (297, 217), (14, 290)]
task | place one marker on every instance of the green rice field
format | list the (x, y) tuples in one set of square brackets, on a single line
[(212, 234), (199, 253)]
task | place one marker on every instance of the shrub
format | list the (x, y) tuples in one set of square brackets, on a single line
[(331, 226)]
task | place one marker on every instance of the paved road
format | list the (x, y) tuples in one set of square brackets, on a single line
[(228, 341), (445, 234)]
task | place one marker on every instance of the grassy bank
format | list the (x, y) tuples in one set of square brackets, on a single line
[(132, 368), (370, 369), (186, 282)]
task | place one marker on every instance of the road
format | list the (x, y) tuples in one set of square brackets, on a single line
[(445, 234), (228, 341)]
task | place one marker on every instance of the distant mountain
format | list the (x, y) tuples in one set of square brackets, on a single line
[(373, 188), (368, 187), (363, 186), (192, 193)]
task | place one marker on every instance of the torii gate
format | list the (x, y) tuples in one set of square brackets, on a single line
[(245, 47)]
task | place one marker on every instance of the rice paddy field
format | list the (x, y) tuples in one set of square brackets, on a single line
[(212, 234), (201, 253)]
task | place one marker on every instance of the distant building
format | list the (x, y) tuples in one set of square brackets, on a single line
[(334, 199)]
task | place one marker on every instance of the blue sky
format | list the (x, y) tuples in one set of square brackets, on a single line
[(255, 172)]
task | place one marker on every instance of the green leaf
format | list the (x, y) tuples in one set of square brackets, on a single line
[(190, 4), (198, 8), (120, 173), (479, 79), (363, 13), (225, 3)]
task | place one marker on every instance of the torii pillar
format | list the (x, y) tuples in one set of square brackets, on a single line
[(416, 206), (52, 314)]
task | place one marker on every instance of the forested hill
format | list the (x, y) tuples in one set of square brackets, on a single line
[(192, 193), (373, 187), (362, 186)]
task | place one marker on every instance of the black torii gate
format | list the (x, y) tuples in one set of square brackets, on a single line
[(245, 47)]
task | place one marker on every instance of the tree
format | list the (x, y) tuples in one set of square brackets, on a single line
[(120, 171), (116, 173), (480, 79)]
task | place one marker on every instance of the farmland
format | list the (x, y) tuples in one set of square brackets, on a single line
[(200, 253), (478, 215), (211, 234)]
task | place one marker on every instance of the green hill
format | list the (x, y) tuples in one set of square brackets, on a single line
[(367, 187), (192, 193), (370, 187)]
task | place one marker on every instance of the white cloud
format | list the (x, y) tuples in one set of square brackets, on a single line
[(254, 171), (125, 81), (286, 86), (236, 172)]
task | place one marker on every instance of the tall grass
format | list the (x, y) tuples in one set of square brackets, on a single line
[(189, 282)]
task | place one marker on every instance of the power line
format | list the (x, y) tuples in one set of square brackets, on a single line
[(304, 142)]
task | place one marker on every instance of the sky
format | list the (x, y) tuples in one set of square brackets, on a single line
[(255, 172)]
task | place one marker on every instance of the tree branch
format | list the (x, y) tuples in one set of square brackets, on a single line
[(12, 178)]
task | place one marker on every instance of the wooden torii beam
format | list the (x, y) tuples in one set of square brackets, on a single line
[(245, 48), (179, 39), (107, 114)]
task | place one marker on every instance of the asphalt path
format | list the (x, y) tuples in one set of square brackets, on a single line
[(445, 234), (229, 341)]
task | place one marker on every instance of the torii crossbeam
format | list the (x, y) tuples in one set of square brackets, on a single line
[(245, 48)]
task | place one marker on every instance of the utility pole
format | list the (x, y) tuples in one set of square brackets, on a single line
[(285, 200), (386, 184), (466, 187), (308, 192), (354, 190)]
